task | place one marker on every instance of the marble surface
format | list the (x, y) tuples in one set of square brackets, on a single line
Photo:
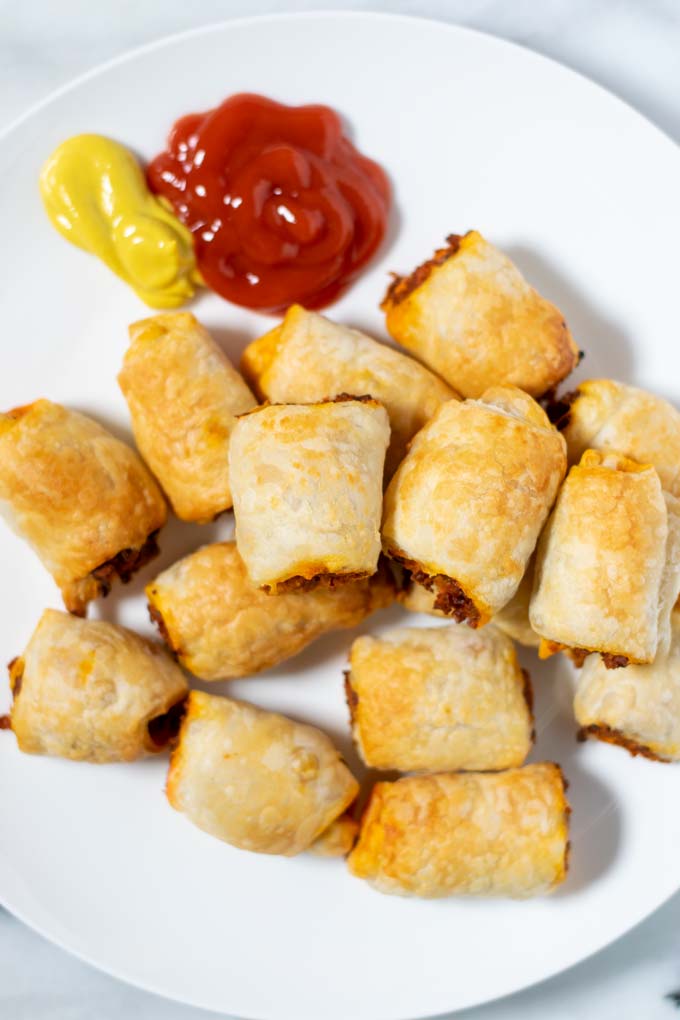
[(630, 46)]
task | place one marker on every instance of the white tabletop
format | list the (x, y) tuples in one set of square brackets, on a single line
[(630, 46)]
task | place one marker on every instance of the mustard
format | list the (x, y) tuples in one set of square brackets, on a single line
[(96, 196)]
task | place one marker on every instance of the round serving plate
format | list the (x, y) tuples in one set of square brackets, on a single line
[(583, 193)]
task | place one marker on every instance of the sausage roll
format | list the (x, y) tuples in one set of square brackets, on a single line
[(439, 699), (465, 508), (308, 358), (471, 316), (183, 394), (256, 779), (338, 839), (220, 626), (512, 619), (493, 834), (637, 708), (606, 415), (307, 486), (601, 563), (92, 691), (82, 499)]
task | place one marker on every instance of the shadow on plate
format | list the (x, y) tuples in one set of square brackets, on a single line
[(608, 347), (596, 820), (112, 425), (233, 341)]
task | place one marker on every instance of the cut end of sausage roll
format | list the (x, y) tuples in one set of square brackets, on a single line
[(307, 487), (439, 699), (603, 414), (259, 357), (123, 566), (466, 541), (469, 314), (309, 358), (488, 834), (92, 691), (603, 562), (401, 286), (637, 708), (184, 395), (337, 840), (80, 497), (221, 626), (447, 596), (256, 779), (546, 649), (608, 735)]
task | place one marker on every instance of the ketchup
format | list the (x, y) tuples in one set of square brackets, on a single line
[(281, 205)]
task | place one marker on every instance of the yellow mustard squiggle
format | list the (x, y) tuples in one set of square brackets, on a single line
[(96, 196)]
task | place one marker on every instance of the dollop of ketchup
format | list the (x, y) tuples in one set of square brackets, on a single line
[(282, 206)]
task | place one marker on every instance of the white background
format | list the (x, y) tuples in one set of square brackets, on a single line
[(631, 47)]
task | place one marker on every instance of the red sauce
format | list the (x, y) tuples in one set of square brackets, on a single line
[(282, 207)]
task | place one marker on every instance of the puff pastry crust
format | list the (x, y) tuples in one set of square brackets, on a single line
[(471, 316), (92, 691), (309, 358), (638, 707), (80, 497), (465, 508), (220, 626), (491, 834), (602, 561), (602, 414), (256, 779), (338, 839), (439, 699), (183, 394), (307, 486)]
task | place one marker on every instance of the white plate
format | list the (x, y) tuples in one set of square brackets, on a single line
[(585, 195)]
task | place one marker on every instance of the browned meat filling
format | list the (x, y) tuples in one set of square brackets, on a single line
[(156, 617), (299, 583), (614, 661), (611, 736), (341, 398), (125, 563), (163, 729), (450, 598), (559, 410), (402, 286), (16, 675), (351, 697)]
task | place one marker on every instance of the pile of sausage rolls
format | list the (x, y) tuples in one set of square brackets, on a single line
[(450, 480)]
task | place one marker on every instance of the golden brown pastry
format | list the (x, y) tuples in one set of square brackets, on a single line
[(337, 840), (490, 834), (81, 498), (221, 626), (183, 394), (638, 707), (307, 486), (602, 414), (256, 779), (465, 508), (439, 699), (309, 358), (471, 316), (92, 691), (606, 575), (512, 619)]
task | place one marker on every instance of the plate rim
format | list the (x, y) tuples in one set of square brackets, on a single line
[(330, 14)]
